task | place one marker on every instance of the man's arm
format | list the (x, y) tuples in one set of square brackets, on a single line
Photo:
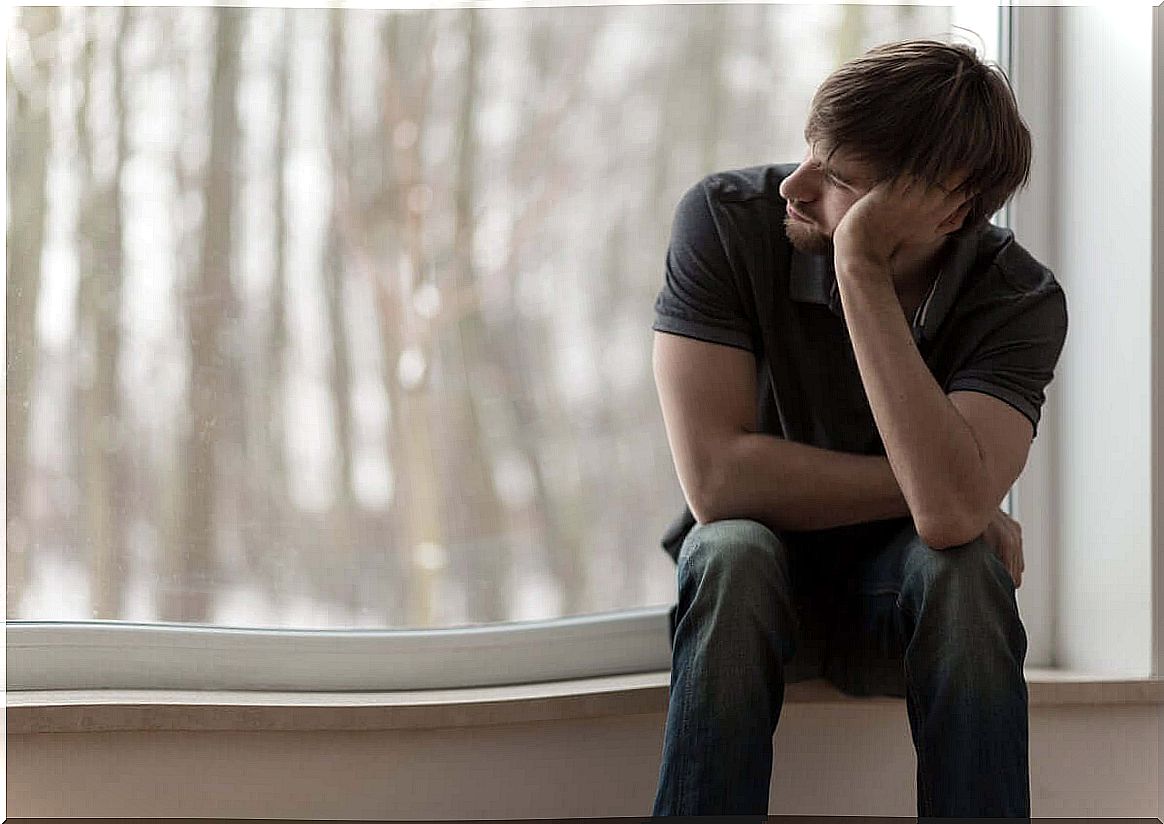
[(794, 486), (728, 469), (937, 457), (930, 446)]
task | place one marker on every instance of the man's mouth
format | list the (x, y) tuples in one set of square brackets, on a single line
[(795, 214)]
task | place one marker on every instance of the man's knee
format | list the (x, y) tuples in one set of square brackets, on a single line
[(734, 576), (733, 546), (965, 596), (975, 558), (967, 580)]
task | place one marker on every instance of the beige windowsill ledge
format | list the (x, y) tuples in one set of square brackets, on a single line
[(59, 711)]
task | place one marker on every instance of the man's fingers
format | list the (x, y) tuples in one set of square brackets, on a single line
[(1010, 546)]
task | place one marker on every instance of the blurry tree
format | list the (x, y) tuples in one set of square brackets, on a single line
[(559, 56), (850, 33), (187, 587), (333, 275), (101, 429), (707, 50), (396, 232), (475, 523), (32, 44), (274, 526)]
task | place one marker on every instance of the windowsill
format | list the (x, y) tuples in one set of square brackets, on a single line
[(64, 711)]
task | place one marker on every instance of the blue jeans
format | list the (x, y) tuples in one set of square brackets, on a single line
[(876, 611)]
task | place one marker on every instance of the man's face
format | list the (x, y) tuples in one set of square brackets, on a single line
[(818, 196)]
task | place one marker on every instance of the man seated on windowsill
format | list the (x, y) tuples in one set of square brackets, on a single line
[(851, 362)]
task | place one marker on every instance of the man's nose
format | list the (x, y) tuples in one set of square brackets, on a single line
[(798, 186)]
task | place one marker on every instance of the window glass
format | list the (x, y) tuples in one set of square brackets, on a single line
[(342, 318)]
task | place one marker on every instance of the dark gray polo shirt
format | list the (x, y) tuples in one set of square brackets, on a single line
[(994, 320)]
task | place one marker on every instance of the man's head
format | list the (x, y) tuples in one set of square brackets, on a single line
[(920, 107)]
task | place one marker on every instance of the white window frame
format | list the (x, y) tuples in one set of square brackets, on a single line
[(1092, 532), (1157, 324)]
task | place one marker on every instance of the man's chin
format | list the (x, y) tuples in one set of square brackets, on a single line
[(805, 239)]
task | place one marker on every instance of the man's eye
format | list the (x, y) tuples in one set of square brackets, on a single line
[(834, 179)]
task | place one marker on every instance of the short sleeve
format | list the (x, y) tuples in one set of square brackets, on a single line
[(1016, 360), (701, 295)]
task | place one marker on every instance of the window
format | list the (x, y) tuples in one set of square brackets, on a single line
[(330, 319)]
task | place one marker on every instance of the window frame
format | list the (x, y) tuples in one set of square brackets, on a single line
[(1075, 629)]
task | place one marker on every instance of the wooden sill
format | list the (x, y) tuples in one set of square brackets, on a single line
[(72, 711)]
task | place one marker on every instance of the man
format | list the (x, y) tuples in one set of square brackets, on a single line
[(851, 363)]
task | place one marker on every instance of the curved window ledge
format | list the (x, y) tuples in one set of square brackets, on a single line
[(61, 711)]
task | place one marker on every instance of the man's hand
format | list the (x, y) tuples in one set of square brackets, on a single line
[(904, 211), (1006, 536)]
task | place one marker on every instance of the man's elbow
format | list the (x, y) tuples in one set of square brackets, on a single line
[(703, 507), (951, 531), (710, 494)]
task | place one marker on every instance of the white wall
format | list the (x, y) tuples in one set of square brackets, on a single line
[(1095, 232), (1105, 220), (1032, 72)]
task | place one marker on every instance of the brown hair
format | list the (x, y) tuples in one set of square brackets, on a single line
[(927, 108)]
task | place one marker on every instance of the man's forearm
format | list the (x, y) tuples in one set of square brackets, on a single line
[(933, 451), (794, 486)]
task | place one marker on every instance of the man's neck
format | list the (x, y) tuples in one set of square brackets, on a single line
[(914, 272)]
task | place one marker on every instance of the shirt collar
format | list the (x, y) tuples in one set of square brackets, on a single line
[(813, 279)]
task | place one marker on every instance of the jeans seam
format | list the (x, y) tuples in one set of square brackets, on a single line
[(921, 740), (681, 769), (910, 686), (921, 784), (684, 700)]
